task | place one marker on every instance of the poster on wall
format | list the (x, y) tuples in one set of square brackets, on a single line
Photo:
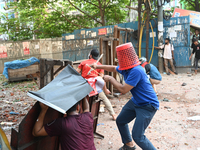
[(3, 52), (26, 48), (194, 16), (102, 31)]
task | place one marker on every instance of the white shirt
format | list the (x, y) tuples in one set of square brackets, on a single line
[(167, 51)]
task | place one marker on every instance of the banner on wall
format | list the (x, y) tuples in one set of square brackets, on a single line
[(3, 52), (194, 16), (26, 48), (102, 31)]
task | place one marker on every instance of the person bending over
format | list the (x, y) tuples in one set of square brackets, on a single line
[(154, 75), (84, 68), (75, 131)]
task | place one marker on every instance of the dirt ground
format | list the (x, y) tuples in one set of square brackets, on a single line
[(170, 128)]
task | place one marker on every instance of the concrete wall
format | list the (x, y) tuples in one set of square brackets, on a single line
[(43, 48)]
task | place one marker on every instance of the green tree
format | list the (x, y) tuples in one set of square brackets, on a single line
[(191, 4), (51, 18)]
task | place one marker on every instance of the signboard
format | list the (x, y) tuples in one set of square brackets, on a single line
[(102, 31), (194, 16), (69, 37), (3, 52), (26, 48)]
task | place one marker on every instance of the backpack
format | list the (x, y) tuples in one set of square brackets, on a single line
[(164, 47)]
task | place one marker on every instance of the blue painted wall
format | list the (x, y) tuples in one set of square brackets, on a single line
[(77, 45), (182, 41)]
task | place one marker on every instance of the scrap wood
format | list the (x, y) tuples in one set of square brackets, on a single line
[(78, 61), (33, 76), (94, 70), (96, 63)]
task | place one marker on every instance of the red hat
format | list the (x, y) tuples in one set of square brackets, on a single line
[(127, 57)]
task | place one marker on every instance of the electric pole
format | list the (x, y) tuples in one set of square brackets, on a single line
[(160, 35)]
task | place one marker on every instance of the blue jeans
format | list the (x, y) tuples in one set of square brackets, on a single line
[(143, 115), (196, 60)]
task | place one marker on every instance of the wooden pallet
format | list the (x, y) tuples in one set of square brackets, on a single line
[(20, 74)]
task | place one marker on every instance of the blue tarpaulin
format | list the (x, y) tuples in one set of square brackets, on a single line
[(17, 64)]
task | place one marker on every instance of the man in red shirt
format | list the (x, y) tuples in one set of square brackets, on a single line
[(75, 131), (84, 68)]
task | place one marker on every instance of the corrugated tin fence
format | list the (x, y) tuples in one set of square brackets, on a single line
[(78, 44), (178, 30)]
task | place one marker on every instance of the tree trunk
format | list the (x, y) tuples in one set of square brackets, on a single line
[(101, 13), (197, 5)]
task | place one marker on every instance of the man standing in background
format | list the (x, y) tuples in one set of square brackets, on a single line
[(193, 37), (168, 55), (196, 50)]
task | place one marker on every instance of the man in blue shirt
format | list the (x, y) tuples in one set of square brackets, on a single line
[(152, 71), (142, 106)]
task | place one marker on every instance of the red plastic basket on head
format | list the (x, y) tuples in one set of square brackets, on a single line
[(127, 57)]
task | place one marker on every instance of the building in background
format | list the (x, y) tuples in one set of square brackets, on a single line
[(173, 4)]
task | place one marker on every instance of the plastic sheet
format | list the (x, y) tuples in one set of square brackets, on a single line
[(64, 91), (17, 64)]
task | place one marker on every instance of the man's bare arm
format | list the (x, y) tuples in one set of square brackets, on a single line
[(123, 88), (191, 56), (157, 47), (38, 129), (85, 105), (108, 68)]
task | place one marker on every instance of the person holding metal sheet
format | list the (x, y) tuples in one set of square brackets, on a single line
[(154, 75), (84, 68), (144, 103), (75, 131)]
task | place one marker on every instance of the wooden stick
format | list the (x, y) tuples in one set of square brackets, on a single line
[(93, 69), (96, 62)]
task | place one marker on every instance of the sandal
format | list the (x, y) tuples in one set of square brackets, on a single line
[(126, 147)]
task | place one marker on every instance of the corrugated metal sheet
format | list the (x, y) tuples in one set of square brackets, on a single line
[(181, 43), (78, 44)]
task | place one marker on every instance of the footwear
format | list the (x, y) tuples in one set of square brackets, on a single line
[(126, 147), (176, 73), (168, 73)]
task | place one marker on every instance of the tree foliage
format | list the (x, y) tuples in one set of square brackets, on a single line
[(192, 4), (51, 18)]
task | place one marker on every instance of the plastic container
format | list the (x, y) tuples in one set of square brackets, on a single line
[(127, 57)]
